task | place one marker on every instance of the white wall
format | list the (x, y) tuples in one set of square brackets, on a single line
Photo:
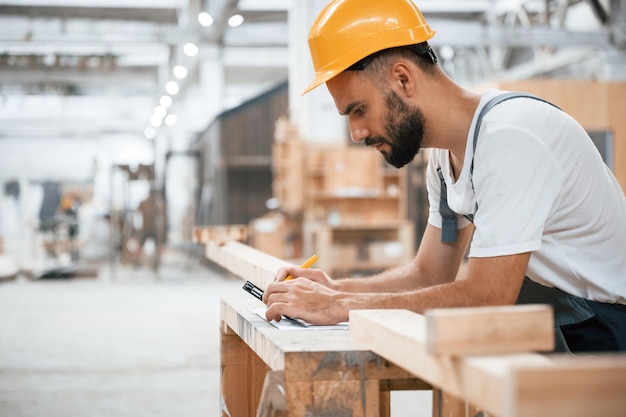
[(33, 160), (74, 159)]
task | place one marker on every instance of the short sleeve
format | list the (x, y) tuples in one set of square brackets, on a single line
[(517, 182)]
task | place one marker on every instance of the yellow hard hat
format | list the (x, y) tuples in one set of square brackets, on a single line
[(347, 31)]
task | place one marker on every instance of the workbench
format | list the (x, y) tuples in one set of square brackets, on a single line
[(300, 372), (478, 358)]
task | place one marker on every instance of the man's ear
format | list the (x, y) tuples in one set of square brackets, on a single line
[(403, 77)]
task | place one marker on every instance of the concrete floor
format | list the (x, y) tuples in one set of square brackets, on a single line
[(122, 344)]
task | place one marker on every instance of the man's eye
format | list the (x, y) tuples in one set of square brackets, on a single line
[(360, 111)]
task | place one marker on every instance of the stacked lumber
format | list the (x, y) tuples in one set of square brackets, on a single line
[(485, 356)]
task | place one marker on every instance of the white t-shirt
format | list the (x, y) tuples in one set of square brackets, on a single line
[(541, 187)]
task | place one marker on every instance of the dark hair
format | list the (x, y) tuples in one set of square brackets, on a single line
[(420, 53)]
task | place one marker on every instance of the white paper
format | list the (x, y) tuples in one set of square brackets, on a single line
[(298, 324)]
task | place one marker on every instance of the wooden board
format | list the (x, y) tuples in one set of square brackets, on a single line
[(220, 234), (246, 262), (515, 385), (570, 386), (490, 330)]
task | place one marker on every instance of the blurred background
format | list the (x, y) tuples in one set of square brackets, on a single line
[(126, 123), (132, 129)]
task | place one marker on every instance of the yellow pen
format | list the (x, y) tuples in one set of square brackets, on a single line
[(306, 264)]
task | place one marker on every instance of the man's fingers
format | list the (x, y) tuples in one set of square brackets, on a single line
[(272, 312), (281, 274), (273, 288)]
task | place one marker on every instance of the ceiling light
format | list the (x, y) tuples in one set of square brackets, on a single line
[(235, 20), (446, 52), (160, 111), (205, 19), (180, 72), (172, 87), (156, 120), (171, 119), (166, 101), (190, 49), (149, 133)]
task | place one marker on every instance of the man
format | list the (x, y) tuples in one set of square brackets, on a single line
[(549, 218)]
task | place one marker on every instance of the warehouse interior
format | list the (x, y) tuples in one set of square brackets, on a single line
[(127, 124)]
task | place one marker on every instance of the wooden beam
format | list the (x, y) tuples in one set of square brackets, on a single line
[(490, 330), (571, 386), (515, 385), (220, 234), (400, 336), (246, 262)]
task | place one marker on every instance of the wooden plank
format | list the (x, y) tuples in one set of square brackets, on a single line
[(571, 386), (400, 336), (490, 330), (239, 363), (220, 234), (246, 262), (500, 385), (245, 324), (304, 354)]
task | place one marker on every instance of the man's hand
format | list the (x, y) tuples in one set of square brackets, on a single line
[(310, 296), (316, 275)]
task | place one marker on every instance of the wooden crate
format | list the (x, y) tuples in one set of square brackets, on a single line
[(352, 172), (347, 198), (288, 174), (360, 246), (276, 234)]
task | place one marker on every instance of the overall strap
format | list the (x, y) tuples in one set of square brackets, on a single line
[(448, 217), (490, 104), (449, 221)]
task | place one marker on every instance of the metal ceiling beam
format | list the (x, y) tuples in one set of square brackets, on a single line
[(477, 34), (154, 15), (599, 11), (257, 35), (120, 82), (142, 38), (72, 116), (618, 23)]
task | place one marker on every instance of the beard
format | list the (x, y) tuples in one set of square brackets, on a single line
[(405, 131)]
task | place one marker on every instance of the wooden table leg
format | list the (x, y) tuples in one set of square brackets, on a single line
[(384, 404), (446, 405), (243, 373), (273, 401)]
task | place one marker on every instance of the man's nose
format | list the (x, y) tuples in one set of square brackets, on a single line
[(358, 134)]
